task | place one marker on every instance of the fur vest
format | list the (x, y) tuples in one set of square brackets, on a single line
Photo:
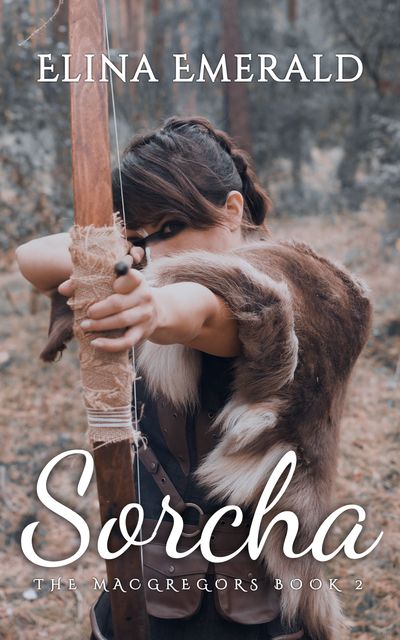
[(302, 322)]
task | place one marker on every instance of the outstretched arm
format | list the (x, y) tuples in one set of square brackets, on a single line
[(46, 261), (185, 313)]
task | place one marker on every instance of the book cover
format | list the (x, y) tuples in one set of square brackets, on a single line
[(247, 134)]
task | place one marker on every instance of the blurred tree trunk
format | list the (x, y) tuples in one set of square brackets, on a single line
[(60, 22), (296, 120), (373, 46), (61, 171), (1, 22), (136, 42), (236, 98), (352, 147), (292, 11), (157, 40), (127, 35), (183, 37)]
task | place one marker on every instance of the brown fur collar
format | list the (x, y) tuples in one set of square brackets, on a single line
[(302, 322)]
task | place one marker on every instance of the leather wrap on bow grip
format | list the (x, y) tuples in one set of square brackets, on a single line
[(106, 377)]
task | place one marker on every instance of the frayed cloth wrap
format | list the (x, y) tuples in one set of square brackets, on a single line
[(106, 377)]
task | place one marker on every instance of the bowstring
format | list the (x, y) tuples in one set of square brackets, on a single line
[(114, 115)]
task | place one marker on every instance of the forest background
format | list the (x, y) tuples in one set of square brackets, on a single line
[(329, 154)]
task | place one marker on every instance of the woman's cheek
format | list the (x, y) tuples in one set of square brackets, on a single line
[(166, 248), (155, 251)]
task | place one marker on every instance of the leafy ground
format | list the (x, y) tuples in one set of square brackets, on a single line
[(41, 415)]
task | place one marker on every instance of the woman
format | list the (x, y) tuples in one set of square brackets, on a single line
[(246, 346)]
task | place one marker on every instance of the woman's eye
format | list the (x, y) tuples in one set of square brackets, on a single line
[(168, 230), (138, 242), (172, 227)]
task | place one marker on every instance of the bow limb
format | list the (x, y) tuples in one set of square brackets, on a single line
[(93, 206)]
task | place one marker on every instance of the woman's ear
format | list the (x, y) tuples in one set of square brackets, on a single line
[(234, 209)]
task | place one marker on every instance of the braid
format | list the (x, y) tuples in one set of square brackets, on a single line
[(256, 199), (257, 204), (189, 167)]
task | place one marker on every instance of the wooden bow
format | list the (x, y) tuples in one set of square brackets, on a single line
[(93, 206)]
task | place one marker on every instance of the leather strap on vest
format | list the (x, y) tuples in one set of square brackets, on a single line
[(148, 458)]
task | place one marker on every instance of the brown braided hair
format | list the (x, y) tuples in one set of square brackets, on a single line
[(186, 169)]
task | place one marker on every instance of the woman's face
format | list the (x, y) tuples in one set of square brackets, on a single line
[(171, 236)]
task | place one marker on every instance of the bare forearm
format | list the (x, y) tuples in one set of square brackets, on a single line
[(46, 261), (191, 314)]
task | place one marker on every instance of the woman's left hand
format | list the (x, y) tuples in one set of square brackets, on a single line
[(181, 313), (132, 306)]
